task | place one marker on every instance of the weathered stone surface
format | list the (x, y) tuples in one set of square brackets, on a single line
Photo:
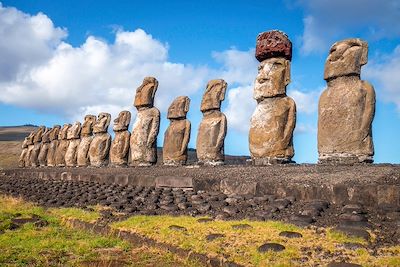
[(177, 135), (347, 107), (86, 139), (24, 158), (100, 145), (44, 148), (51, 153), (143, 141), (73, 136), (273, 44), (213, 127), (37, 139), (120, 145), (62, 145), (273, 122)]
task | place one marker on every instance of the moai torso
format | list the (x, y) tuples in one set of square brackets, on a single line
[(212, 129), (73, 136), (177, 135), (100, 145), (62, 146), (44, 148), (86, 139), (273, 122), (37, 139), (143, 140), (51, 153), (23, 158), (346, 107), (120, 145)]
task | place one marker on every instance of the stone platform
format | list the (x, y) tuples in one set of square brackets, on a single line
[(370, 185)]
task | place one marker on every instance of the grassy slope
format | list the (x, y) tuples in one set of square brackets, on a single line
[(9, 153)]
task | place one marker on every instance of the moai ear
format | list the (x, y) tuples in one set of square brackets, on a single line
[(127, 118), (223, 91), (155, 87), (364, 53), (287, 72), (108, 119), (187, 104)]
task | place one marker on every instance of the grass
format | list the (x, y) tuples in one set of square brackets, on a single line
[(9, 153), (241, 246), (58, 245)]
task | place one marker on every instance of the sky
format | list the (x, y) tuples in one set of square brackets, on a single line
[(60, 60)]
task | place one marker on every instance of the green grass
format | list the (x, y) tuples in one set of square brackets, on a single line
[(75, 213)]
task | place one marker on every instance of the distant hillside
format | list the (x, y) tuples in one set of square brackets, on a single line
[(15, 133)]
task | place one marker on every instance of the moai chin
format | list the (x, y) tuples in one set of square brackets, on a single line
[(273, 122), (143, 141), (24, 158), (120, 145), (212, 129), (54, 142), (62, 145), (86, 139), (73, 135), (347, 107), (37, 140), (44, 148), (177, 135), (100, 145)]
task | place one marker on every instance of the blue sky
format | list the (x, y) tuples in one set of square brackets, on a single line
[(62, 59)]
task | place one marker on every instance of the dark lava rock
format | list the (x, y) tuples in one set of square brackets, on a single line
[(241, 226), (204, 220), (169, 207), (177, 228), (290, 234), (202, 208), (301, 220), (343, 264), (352, 217), (211, 237), (183, 206), (281, 203), (271, 247), (355, 232), (352, 208), (230, 210), (351, 246)]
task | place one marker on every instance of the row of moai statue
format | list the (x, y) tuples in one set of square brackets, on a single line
[(90, 144), (345, 114)]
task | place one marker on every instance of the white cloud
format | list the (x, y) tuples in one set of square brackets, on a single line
[(326, 21), (384, 76), (306, 102)]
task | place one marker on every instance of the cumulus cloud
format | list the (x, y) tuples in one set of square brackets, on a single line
[(306, 102), (384, 75), (326, 21)]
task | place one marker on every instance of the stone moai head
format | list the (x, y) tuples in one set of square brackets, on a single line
[(179, 108), (74, 132), (102, 123), (145, 93), (121, 123), (63, 134), (274, 51), (38, 134), (30, 138), (87, 126), (346, 58), (54, 132), (46, 135), (214, 95)]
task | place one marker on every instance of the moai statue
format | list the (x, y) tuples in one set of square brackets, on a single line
[(37, 142), (120, 145), (44, 149), (73, 136), (24, 158), (212, 129), (62, 145), (347, 107), (177, 135), (100, 145), (143, 142), (86, 139), (273, 122), (54, 142)]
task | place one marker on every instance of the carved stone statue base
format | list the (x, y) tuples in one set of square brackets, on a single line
[(140, 164), (174, 162), (270, 161), (211, 162), (344, 158)]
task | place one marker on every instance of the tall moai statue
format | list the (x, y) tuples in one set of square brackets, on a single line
[(119, 151), (213, 127), (24, 158), (143, 142), (54, 142), (177, 135), (62, 145), (347, 107), (100, 146), (86, 139), (73, 136), (37, 142), (273, 122), (44, 148)]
